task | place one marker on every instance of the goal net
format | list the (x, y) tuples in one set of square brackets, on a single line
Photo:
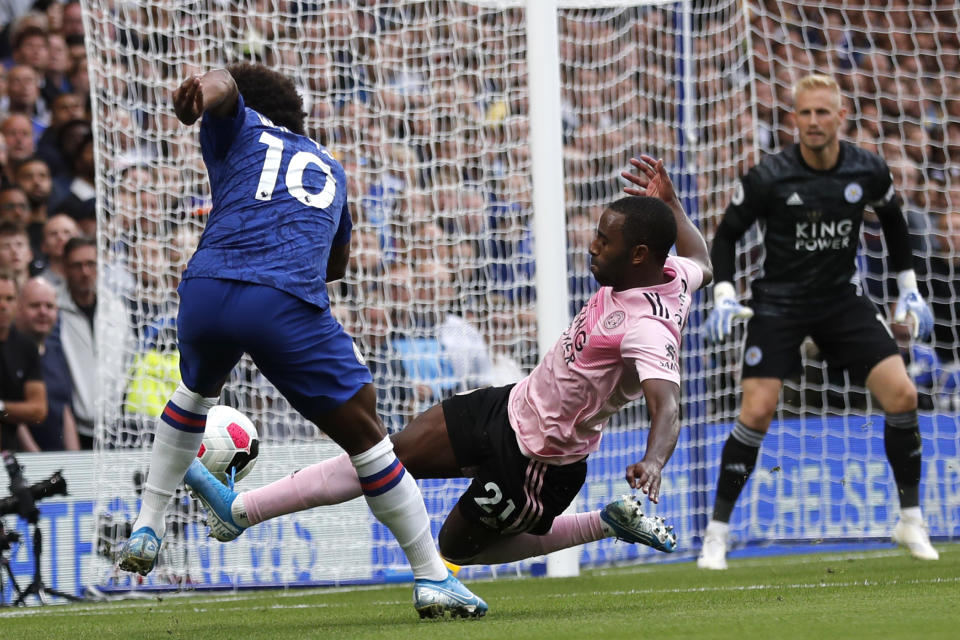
[(426, 106)]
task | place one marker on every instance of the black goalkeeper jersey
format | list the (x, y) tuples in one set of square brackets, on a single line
[(810, 221)]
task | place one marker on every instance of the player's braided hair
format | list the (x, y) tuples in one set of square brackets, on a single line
[(648, 221), (271, 94)]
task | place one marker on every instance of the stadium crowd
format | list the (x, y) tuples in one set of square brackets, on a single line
[(426, 107)]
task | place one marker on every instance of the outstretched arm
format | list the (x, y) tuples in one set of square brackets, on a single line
[(909, 302), (214, 91), (663, 404), (652, 180)]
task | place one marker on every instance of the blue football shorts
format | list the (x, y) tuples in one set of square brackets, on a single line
[(300, 348)]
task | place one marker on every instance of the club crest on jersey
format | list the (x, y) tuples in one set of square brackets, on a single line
[(738, 193), (853, 193), (753, 356), (614, 320)]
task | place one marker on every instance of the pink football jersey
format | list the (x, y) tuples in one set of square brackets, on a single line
[(618, 340)]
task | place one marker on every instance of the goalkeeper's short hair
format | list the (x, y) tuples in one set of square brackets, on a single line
[(814, 81), (270, 93)]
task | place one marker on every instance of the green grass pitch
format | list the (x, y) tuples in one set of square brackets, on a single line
[(871, 595)]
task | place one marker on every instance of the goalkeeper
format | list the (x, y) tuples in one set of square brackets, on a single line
[(808, 200)]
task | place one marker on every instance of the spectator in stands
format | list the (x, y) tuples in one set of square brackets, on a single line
[(57, 78), (14, 205), (80, 202), (15, 254), (30, 47), (154, 372), (505, 338), (33, 176), (23, 396), (394, 398), (53, 9), (23, 89), (72, 19), (581, 284), (22, 18), (66, 107), (77, 49), (36, 319), (80, 78), (60, 228), (70, 136), (17, 130), (82, 312), (9, 12), (153, 308)]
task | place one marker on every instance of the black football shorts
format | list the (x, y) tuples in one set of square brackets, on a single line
[(510, 492), (851, 334)]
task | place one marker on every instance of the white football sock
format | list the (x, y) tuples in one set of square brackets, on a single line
[(395, 499), (911, 514), (178, 438), (719, 528), (238, 511)]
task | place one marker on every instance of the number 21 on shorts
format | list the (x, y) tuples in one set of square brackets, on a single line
[(491, 503)]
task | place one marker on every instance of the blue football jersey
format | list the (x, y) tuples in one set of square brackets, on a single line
[(279, 204)]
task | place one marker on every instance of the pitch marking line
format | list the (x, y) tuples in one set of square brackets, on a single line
[(93, 610)]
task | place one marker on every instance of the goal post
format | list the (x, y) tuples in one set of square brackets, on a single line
[(481, 139)]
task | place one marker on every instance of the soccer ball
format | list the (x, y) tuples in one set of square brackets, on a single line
[(229, 441)]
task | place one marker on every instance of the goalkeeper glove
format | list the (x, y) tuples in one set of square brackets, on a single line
[(911, 303), (725, 309)]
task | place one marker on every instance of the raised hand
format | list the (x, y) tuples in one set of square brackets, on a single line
[(188, 100), (651, 179)]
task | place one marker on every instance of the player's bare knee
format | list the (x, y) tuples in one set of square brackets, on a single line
[(757, 415), (900, 399), (455, 547)]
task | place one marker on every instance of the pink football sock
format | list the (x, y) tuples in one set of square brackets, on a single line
[(569, 530), (329, 482)]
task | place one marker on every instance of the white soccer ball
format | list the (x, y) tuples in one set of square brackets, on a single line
[(230, 441)]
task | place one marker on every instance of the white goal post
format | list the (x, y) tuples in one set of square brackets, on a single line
[(481, 141)]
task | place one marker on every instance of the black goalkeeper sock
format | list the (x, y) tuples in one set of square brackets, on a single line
[(901, 440), (736, 464)]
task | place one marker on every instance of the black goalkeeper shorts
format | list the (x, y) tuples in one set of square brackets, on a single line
[(510, 493), (850, 334)]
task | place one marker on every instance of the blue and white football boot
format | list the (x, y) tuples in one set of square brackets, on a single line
[(217, 499), (140, 551), (435, 598), (626, 521)]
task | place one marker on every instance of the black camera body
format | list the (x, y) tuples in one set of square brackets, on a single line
[(23, 502), (23, 497), (6, 537)]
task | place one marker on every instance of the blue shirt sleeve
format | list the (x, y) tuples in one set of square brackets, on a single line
[(342, 236), (217, 133)]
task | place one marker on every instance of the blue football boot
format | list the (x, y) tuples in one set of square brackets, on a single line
[(434, 598), (217, 499), (140, 551)]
